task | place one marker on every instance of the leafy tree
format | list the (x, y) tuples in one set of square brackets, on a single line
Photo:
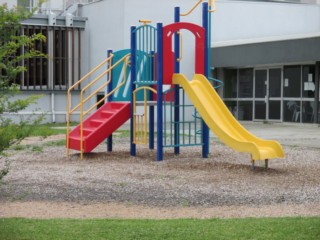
[(11, 57)]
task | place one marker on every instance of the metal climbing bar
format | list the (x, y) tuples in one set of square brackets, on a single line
[(146, 44), (140, 120), (188, 129)]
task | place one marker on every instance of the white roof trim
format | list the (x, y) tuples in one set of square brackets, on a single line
[(263, 40)]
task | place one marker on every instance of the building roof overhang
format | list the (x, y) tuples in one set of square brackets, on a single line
[(60, 21), (271, 50)]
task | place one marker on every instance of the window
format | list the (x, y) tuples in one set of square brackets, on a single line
[(36, 76), (245, 110), (60, 53), (275, 82), (308, 81), (230, 83), (246, 83), (292, 81), (61, 68), (241, 79), (232, 106)]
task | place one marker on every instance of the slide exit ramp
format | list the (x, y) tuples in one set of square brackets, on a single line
[(219, 119)]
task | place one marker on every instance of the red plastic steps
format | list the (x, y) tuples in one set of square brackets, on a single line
[(106, 114), (96, 122), (87, 131), (99, 125)]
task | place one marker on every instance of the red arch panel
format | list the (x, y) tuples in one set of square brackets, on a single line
[(168, 56)]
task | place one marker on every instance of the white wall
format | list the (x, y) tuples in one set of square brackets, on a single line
[(10, 3), (236, 20), (48, 4), (53, 4), (104, 30)]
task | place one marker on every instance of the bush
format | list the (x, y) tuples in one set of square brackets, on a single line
[(11, 42)]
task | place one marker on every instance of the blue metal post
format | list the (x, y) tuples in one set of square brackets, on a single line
[(151, 127), (132, 86), (205, 129), (151, 108), (176, 87), (109, 99), (159, 94)]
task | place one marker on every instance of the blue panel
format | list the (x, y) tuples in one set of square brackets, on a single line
[(142, 70)]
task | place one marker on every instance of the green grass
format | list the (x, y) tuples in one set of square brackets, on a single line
[(19, 147), (39, 147), (122, 133), (57, 143), (250, 228), (49, 129), (36, 148)]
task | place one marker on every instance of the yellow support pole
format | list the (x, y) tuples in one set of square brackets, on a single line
[(212, 5)]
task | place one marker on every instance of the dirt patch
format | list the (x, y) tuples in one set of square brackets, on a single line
[(46, 210), (113, 184)]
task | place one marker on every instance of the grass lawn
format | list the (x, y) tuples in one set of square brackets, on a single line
[(49, 129), (250, 228)]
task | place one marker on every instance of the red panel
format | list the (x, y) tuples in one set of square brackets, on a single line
[(168, 64), (168, 56)]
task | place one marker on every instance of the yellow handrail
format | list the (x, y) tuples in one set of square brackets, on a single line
[(180, 43), (191, 10), (144, 117), (212, 7), (108, 59), (83, 101), (125, 59)]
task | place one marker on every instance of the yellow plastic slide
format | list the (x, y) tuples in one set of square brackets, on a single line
[(219, 119)]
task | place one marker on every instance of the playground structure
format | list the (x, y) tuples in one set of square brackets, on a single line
[(135, 80)]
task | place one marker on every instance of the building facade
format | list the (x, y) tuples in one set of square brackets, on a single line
[(266, 53), (273, 75)]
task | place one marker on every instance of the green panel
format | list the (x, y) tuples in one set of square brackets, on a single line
[(144, 74)]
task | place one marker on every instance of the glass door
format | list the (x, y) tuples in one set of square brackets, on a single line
[(274, 94), (267, 89), (260, 90)]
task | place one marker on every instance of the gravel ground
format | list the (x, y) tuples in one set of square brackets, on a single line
[(187, 182)]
